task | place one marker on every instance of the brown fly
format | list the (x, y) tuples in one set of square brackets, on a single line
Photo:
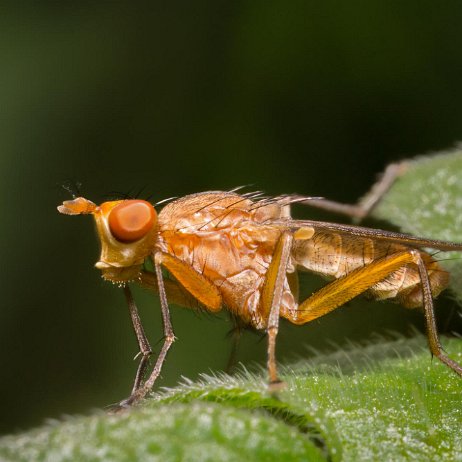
[(243, 252)]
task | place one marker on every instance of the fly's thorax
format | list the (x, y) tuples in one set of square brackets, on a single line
[(127, 232), (215, 210), (224, 252), (201, 212)]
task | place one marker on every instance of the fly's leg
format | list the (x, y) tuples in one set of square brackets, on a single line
[(145, 347), (176, 294), (169, 338), (430, 321), (271, 298), (369, 201), (235, 334), (340, 291), (196, 285), (145, 351)]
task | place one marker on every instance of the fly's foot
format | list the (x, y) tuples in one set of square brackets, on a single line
[(118, 408), (276, 386), (125, 404)]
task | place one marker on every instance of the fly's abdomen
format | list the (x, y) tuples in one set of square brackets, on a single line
[(336, 255), (410, 293), (332, 255)]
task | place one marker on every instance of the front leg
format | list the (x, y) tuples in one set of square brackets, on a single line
[(169, 337), (143, 342), (198, 286)]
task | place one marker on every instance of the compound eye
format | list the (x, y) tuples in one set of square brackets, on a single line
[(131, 220)]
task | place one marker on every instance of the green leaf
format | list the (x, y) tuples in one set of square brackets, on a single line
[(427, 201), (387, 401), (349, 406)]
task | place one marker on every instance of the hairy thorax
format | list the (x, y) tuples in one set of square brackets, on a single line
[(223, 236)]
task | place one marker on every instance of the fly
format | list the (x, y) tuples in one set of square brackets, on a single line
[(243, 252)]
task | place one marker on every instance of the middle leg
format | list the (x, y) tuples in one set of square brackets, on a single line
[(271, 298)]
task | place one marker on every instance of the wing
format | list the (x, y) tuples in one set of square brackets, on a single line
[(360, 231)]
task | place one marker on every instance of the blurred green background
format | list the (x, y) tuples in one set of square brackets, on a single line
[(180, 97)]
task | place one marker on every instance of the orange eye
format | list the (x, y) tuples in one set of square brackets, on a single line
[(131, 220)]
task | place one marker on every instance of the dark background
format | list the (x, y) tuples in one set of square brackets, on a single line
[(179, 97)]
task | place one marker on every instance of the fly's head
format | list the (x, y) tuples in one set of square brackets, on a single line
[(127, 231)]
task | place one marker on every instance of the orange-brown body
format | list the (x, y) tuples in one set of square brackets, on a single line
[(229, 240), (243, 252)]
